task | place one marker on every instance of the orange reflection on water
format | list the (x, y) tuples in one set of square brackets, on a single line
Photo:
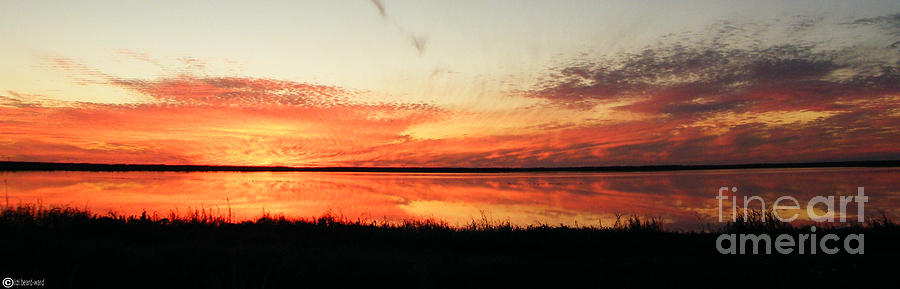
[(682, 199)]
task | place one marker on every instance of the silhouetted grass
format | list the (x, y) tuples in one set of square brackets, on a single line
[(757, 222), (75, 248)]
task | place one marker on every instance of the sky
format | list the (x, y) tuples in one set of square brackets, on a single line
[(449, 83)]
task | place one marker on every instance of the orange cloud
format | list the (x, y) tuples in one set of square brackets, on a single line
[(673, 103)]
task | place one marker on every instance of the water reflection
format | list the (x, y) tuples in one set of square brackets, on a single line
[(682, 199)]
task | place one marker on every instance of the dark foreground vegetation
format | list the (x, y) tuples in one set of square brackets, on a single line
[(74, 248)]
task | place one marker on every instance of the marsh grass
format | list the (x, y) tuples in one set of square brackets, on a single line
[(204, 248), (57, 216), (756, 221)]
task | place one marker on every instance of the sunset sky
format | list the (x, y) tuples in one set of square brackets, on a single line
[(449, 83)]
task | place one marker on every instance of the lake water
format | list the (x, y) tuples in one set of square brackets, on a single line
[(684, 199)]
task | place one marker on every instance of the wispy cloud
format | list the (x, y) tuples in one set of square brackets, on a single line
[(380, 6), (418, 41)]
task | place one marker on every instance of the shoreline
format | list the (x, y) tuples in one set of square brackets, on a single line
[(49, 166)]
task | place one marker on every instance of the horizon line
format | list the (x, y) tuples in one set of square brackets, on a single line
[(60, 166)]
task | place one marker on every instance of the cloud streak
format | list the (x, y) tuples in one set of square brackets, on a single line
[(419, 42)]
